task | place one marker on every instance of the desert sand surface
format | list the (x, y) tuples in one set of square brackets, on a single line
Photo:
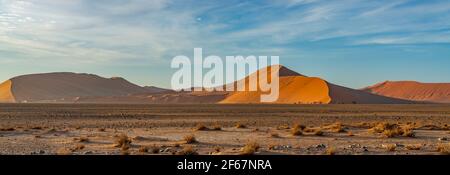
[(412, 90), (211, 129)]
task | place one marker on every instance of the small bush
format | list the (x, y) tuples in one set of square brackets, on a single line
[(390, 147), (250, 148), (240, 125), (274, 135), (143, 149), (190, 139), (296, 131), (299, 126), (331, 151), (188, 150), (123, 141), (444, 149), (154, 149), (216, 128), (413, 147), (318, 132), (78, 147), (200, 127)]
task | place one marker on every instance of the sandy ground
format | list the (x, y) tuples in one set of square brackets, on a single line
[(160, 129)]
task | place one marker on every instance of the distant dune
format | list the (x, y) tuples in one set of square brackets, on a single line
[(411, 90), (66, 87), (87, 88)]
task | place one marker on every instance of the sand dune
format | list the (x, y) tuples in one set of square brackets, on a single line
[(411, 90), (65, 87), (6, 95), (299, 89), (87, 88)]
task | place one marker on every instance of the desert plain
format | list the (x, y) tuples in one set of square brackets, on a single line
[(224, 129)]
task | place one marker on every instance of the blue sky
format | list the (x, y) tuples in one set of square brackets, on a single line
[(353, 43)]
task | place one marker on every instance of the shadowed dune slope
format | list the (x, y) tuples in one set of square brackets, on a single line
[(411, 90)]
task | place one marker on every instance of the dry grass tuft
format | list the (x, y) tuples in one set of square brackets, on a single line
[(283, 127), (78, 147), (331, 151), (274, 135), (36, 128), (299, 126), (63, 152), (200, 127), (250, 148), (216, 128), (123, 141), (154, 149), (217, 149), (444, 149), (337, 127), (189, 139), (393, 130), (188, 150), (350, 134), (296, 131), (318, 132), (143, 149), (82, 139), (240, 125), (390, 147), (7, 129), (414, 147)]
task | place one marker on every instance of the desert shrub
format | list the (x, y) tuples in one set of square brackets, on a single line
[(63, 151), (337, 127), (154, 149), (200, 127), (318, 132), (78, 147), (188, 150), (444, 149), (250, 148), (123, 141), (350, 134), (296, 131), (216, 127), (274, 135), (282, 127), (330, 151), (189, 139), (240, 125), (82, 139), (7, 129), (143, 149), (299, 126), (390, 147), (101, 129), (414, 147)]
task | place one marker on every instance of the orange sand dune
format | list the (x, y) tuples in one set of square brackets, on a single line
[(411, 90), (294, 88), (6, 95), (65, 87), (299, 89)]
